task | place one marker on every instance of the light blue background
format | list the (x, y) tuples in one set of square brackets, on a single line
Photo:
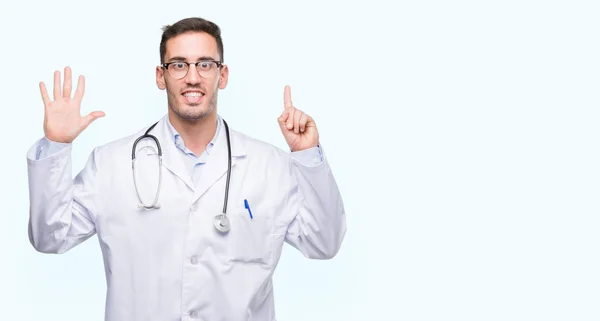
[(464, 137)]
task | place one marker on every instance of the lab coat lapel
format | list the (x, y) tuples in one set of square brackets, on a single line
[(172, 159), (216, 166)]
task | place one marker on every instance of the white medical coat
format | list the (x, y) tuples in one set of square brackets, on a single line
[(170, 263)]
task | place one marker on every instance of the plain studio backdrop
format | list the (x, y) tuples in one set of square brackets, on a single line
[(463, 135)]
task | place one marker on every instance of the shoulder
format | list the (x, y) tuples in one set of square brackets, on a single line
[(253, 145), (259, 153), (117, 148)]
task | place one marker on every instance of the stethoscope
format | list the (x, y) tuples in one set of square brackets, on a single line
[(221, 222)]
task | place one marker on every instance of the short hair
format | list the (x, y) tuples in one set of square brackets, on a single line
[(192, 24)]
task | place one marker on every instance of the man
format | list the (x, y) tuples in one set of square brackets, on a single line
[(176, 260)]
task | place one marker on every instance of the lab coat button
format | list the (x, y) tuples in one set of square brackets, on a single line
[(193, 314), (194, 260)]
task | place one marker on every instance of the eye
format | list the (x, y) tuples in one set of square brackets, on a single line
[(205, 65), (179, 66)]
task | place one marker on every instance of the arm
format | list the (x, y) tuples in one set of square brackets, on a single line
[(60, 209), (319, 223), (60, 214)]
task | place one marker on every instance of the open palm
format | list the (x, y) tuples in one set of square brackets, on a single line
[(62, 117)]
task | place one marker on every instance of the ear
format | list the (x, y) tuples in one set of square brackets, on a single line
[(224, 77), (160, 78)]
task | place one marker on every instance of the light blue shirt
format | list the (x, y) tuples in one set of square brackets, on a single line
[(192, 161), (47, 148)]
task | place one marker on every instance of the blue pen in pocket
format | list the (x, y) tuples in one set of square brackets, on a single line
[(247, 206)]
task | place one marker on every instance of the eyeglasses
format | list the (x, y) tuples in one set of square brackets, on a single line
[(205, 68)]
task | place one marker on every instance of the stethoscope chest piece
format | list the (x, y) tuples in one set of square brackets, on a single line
[(221, 223)]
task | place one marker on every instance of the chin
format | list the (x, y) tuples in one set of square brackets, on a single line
[(192, 112)]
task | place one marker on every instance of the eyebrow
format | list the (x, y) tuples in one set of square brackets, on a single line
[(199, 59)]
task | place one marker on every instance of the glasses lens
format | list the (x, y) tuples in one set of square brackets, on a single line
[(178, 70), (207, 69)]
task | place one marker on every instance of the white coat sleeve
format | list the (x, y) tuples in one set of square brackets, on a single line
[(319, 223), (60, 208)]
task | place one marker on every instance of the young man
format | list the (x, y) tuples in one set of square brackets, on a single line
[(173, 254)]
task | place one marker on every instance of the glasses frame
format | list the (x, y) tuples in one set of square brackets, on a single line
[(167, 64)]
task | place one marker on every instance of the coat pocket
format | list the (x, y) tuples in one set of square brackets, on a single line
[(250, 239)]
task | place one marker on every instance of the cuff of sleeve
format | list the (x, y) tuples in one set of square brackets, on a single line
[(46, 148), (310, 157)]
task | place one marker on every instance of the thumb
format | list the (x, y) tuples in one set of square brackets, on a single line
[(87, 120)]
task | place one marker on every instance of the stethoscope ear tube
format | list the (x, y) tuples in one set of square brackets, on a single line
[(155, 204)]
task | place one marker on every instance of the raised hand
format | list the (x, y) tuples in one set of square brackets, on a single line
[(62, 117), (299, 129)]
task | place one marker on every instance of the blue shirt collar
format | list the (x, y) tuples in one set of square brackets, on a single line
[(178, 141)]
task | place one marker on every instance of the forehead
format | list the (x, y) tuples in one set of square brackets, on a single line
[(192, 45)]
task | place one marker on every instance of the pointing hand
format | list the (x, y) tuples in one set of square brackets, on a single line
[(299, 129)]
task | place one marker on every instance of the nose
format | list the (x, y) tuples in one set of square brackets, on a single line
[(192, 76)]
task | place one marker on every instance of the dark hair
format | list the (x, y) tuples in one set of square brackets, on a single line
[(190, 25)]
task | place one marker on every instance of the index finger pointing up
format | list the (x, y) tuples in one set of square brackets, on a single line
[(287, 97)]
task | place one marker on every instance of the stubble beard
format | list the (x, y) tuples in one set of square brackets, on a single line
[(191, 112)]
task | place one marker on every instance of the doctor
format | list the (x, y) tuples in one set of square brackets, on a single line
[(207, 248)]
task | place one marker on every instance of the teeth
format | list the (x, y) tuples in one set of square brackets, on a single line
[(194, 94)]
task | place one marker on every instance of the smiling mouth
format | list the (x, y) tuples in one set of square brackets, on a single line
[(193, 97)]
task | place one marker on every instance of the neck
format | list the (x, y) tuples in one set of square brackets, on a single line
[(196, 134)]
